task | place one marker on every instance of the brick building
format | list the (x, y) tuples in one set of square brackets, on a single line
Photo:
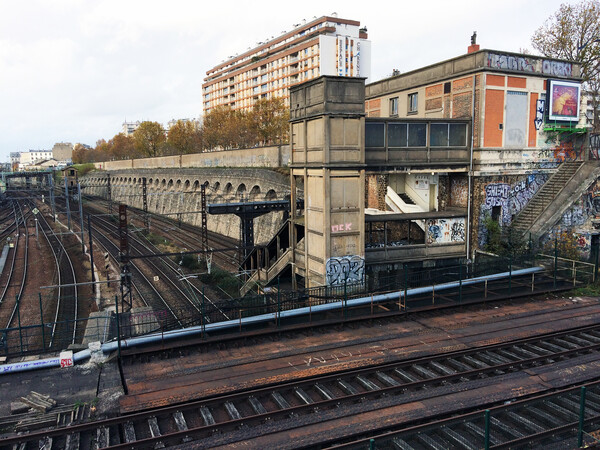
[(515, 147)]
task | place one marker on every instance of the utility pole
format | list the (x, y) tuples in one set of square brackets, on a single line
[(126, 297), (145, 202), (91, 253), (109, 193), (51, 189), (204, 225), (67, 202), (81, 217)]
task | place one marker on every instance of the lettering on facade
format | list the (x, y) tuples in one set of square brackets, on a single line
[(496, 194), (510, 62), (528, 64), (345, 269), (557, 68), (341, 227), (539, 113)]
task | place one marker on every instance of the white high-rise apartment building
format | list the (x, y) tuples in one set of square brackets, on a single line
[(324, 46)]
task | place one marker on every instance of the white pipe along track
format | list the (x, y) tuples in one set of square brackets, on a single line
[(174, 334)]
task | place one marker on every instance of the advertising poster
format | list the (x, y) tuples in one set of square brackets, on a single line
[(564, 97)]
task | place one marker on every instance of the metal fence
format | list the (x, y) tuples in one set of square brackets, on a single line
[(46, 336)]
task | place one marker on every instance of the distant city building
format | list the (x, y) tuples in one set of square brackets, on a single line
[(62, 151), (129, 127), (588, 109), (172, 122), (324, 46), (15, 158), (32, 157)]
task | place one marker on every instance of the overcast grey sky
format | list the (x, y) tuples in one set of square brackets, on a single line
[(74, 70)]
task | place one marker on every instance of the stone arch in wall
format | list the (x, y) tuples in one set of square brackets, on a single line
[(196, 186), (240, 191), (228, 189), (186, 185), (216, 187), (271, 195), (254, 193), (170, 185), (163, 183), (178, 185)]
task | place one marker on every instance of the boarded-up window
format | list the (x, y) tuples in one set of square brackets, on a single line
[(515, 129)]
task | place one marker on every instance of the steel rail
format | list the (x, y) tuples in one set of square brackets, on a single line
[(23, 279), (138, 272), (165, 277), (14, 258), (335, 401), (60, 251)]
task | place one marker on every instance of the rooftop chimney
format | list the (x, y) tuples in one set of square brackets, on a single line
[(474, 46)]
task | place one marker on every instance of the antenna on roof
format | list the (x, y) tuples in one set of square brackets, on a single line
[(474, 38)]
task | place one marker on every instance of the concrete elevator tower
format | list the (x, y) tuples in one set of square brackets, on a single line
[(327, 118)]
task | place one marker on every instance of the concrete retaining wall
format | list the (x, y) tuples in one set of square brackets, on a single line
[(275, 156)]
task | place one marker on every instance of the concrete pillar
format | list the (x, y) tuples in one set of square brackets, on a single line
[(327, 134)]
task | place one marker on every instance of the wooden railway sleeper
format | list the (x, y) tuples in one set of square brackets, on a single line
[(181, 424), (256, 405), (507, 429), (367, 384), (543, 416), (155, 431), (386, 379), (525, 422), (458, 439), (430, 442), (302, 395), (324, 392)]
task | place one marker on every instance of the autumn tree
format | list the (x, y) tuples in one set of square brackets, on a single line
[(149, 139), (185, 136), (122, 147), (270, 120), (226, 128), (573, 33)]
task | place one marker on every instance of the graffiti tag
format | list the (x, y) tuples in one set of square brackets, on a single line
[(345, 269), (540, 105)]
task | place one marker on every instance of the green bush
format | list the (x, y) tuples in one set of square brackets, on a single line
[(223, 279)]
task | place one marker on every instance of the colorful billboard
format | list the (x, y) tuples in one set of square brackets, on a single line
[(563, 101)]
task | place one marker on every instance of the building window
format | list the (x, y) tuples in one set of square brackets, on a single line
[(394, 106), (413, 101)]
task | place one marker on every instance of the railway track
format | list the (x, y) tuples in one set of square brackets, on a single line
[(65, 327), (17, 274), (546, 421), (248, 414)]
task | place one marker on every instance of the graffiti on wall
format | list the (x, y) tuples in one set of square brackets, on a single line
[(345, 269), (539, 113), (459, 191), (440, 231), (510, 198), (565, 151), (496, 194), (557, 68), (511, 62), (530, 64)]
